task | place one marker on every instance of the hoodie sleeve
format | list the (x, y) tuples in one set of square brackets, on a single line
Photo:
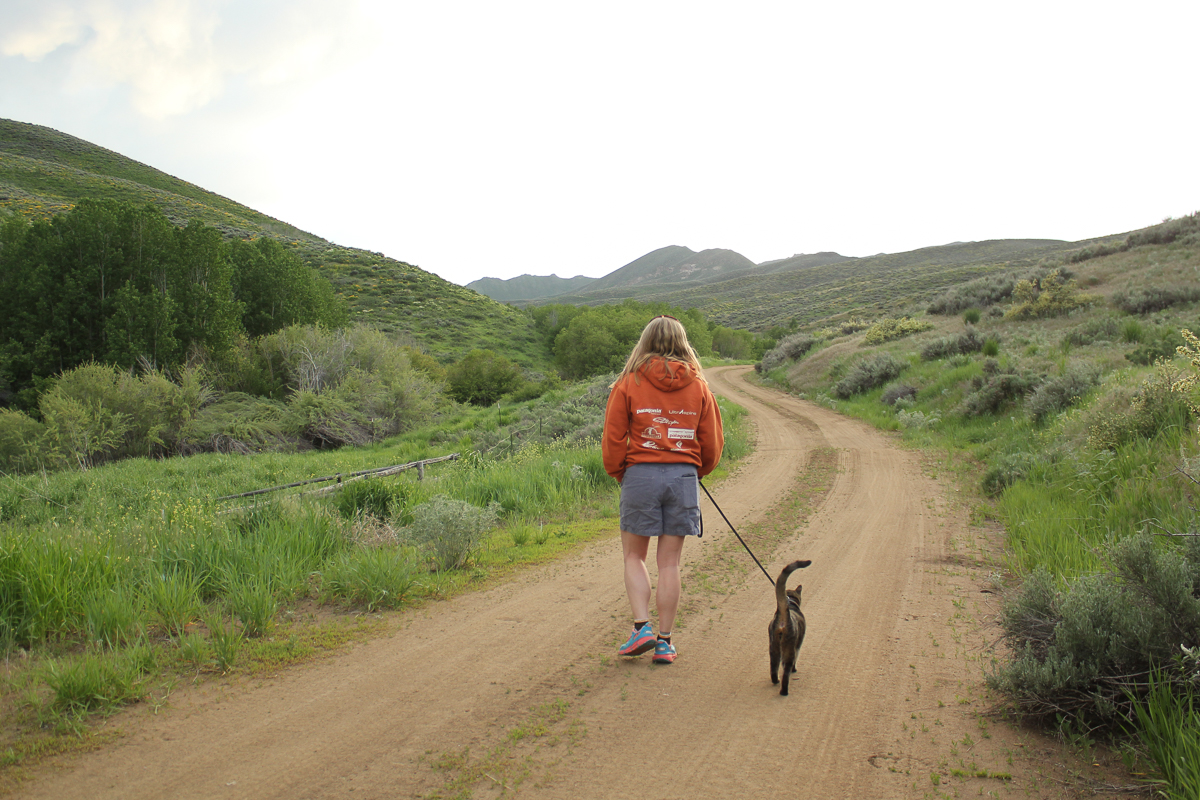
[(710, 434), (614, 444)]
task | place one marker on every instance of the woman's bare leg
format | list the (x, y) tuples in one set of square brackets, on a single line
[(637, 577), (667, 595)]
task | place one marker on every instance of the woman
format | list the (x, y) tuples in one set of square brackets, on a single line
[(662, 432)]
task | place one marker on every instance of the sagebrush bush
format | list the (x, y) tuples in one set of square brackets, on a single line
[(1103, 329), (988, 291), (993, 392), (1155, 406), (1156, 298), (888, 329), (1082, 650), (897, 391), (1061, 392), (1005, 470), (869, 374), (971, 316), (969, 341), (451, 531), (789, 348)]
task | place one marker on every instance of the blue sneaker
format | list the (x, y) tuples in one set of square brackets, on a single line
[(639, 642), (664, 653)]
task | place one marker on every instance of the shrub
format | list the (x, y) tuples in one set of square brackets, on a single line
[(1004, 471), (868, 374), (916, 420), (1156, 406), (482, 377), (20, 439), (451, 531), (986, 292), (969, 341), (971, 316), (1064, 391), (1050, 296), (790, 348), (994, 392), (897, 391), (889, 329), (239, 423), (1104, 329), (991, 348), (1147, 301), (1084, 650), (1162, 344), (1132, 332)]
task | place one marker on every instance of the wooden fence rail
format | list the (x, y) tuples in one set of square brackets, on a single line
[(339, 477)]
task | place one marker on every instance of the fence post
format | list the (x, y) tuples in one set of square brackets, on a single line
[(421, 471)]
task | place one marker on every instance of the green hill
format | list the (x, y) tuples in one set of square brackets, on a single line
[(44, 172), (811, 290)]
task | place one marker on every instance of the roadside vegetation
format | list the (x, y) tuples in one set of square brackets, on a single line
[(1075, 393)]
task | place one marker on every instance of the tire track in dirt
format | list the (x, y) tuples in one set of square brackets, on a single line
[(516, 689)]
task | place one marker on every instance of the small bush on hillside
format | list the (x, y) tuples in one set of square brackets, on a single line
[(1061, 392), (868, 374), (1103, 329), (897, 392), (991, 347), (916, 420), (994, 392), (1086, 650), (978, 293), (852, 325), (971, 316), (1004, 471), (789, 348), (1051, 296), (1156, 406), (1095, 251), (1147, 301), (1159, 345), (451, 531), (969, 341), (889, 329)]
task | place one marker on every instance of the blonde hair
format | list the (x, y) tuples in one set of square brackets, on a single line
[(663, 337)]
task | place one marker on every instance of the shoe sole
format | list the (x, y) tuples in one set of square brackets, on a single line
[(664, 659), (644, 647)]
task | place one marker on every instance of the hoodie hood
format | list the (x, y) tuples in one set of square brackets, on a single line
[(668, 376)]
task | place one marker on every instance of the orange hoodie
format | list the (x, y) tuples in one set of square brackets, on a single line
[(662, 414)]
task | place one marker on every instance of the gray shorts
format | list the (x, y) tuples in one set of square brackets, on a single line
[(659, 499)]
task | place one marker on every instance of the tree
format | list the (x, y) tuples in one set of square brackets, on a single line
[(482, 378), (276, 289)]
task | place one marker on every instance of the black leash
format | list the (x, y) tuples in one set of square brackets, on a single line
[(735, 533)]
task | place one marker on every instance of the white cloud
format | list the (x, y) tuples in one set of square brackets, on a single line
[(173, 57)]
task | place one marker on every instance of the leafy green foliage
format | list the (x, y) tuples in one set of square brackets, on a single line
[(482, 377), (591, 341), (275, 289), (888, 329), (1051, 296)]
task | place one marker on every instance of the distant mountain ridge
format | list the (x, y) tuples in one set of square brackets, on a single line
[(529, 287)]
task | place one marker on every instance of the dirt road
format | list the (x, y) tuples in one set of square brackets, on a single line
[(517, 690)]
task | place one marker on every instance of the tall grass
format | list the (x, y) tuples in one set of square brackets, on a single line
[(1169, 727)]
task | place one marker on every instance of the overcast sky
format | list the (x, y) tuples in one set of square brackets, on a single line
[(494, 139)]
